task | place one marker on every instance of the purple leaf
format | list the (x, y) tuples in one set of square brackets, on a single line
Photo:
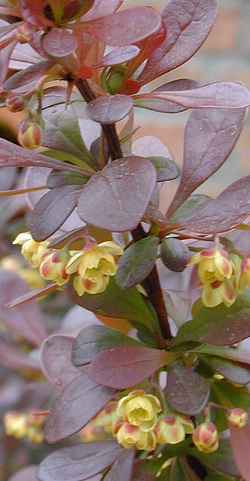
[(56, 361), (210, 137), (126, 27), (25, 81), (30, 296), (186, 392), (5, 55), (79, 462), (119, 55), (27, 321), (123, 367), (52, 210), (101, 8), (119, 194), (25, 474), (123, 467), (229, 210), (219, 95), (188, 24), (59, 42), (109, 109), (240, 441), (80, 401), (12, 155)]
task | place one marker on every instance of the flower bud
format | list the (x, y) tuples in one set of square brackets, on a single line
[(206, 438), (15, 424), (29, 134), (31, 250), (15, 103), (139, 409), (170, 430), (238, 418), (175, 254), (133, 437), (113, 79), (52, 267)]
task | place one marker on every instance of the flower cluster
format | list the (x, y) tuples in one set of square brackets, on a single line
[(25, 426), (222, 276), (90, 267)]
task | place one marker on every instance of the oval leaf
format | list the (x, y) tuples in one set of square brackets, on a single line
[(80, 401), (119, 194), (166, 169), (79, 462), (240, 441), (122, 469), (94, 339), (59, 42), (187, 24), (123, 367), (187, 392), (109, 109), (26, 474), (56, 361), (51, 211), (137, 262)]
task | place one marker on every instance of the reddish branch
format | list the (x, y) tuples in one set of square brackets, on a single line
[(152, 283)]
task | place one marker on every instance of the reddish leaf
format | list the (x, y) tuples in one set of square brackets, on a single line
[(229, 210), (27, 321), (126, 27), (240, 441), (56, 361), (223, 95), (187, 392), (101, 8), (25, 474), (166, 106), (109, 109), (119, 55), (119, 194), (59, 42), (80, 401), (52, 210), (5, 55), (210, 136), (123, 367), (33, 12), (188, 24), (13, 155), (123, 467), (79, 462), (25, 81)]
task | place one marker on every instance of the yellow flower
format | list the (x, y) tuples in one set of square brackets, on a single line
[(170, 431), (219, 276), (31, 250), (53, 265), (139, 409), (15, 424), (206, 438), (130, 436), (93, 267), (238, 418)]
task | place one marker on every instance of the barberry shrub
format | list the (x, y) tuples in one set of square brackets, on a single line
[(156, 385)]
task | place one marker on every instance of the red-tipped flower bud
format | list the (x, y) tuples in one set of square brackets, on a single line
[(206, 438), (238, 418), (15, 103), (29, 134)]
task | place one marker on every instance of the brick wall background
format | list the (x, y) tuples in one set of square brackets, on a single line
[(224, 56)]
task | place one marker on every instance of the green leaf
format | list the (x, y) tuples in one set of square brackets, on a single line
[(119, 303), (233, 372), (137, 262), (221, 461), (230, 396), (220, 326), (166, 168), (187, 208), (218, 477), (93, 339), (69, 158)]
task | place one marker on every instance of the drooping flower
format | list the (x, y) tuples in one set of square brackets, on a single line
[(130, 436), (172, 429), (139, 409), (31, 250), (53, 265), (237, 417), (93, 267), (206, 437)]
